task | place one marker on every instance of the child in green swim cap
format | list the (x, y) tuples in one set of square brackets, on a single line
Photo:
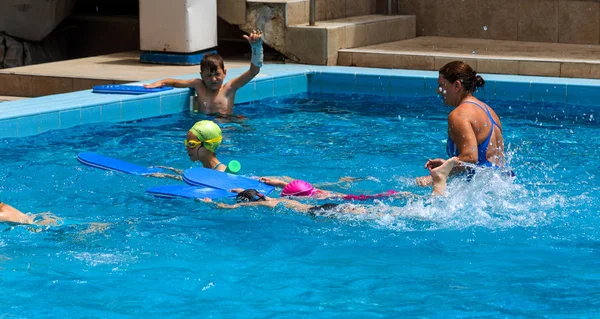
[(201, 144)]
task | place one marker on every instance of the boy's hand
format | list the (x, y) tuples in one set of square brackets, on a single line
[(255, 36), (255, 41), (154, 85)]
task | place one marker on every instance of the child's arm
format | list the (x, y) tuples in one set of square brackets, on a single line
[(256, 45), (345, 179), (267, 203), (173, 82), (176, 170), (164, 175), (13, 215), (273, 181)]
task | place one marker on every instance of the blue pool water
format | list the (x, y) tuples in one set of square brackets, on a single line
[(492, 248)]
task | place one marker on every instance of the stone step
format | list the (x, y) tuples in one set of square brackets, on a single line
[(320, 44), (275, 16), (485, 56), (294, 11)]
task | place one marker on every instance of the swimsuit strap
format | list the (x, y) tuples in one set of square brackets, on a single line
[(487, 111), (482, 148), (215, 168)]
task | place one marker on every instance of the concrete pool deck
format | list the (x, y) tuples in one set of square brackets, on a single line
[(9, 98), (82, 74)]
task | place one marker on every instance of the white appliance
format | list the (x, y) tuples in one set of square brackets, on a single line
[(181, 26)]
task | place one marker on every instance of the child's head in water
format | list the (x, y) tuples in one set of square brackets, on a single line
[(249, 195), (212, 71), (202, 140), (298, 188)]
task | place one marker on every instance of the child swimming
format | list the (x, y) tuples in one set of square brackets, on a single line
[(252, 197), (10, 214)]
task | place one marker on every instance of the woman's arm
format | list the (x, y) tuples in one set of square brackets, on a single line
[(461, 133)]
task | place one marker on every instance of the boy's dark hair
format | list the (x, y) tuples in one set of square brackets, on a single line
[(211, 62)]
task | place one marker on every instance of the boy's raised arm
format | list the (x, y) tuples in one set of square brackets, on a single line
[(256, 45)]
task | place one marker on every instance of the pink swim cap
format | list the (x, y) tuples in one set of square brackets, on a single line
[(298, 188)]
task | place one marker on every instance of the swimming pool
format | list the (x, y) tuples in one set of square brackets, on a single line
[(491, 249)]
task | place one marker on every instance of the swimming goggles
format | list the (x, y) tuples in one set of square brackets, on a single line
[(194, 143), (249, 195)]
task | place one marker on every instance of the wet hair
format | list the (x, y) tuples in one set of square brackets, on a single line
[(211, 62), (249, 195), (460, 71), (321, 210)]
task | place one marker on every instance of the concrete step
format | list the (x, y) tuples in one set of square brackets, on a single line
[(295, 11), (320, 44), (232, 11), (275, 16), (486, 56)]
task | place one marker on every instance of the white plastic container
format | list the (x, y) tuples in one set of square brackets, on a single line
[(181, 26)]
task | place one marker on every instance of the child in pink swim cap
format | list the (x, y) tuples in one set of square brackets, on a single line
[(298, 188), (303, 188)]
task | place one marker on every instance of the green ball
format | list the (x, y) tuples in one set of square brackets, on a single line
[(234, 167)]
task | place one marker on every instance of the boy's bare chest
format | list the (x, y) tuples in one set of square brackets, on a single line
[(210, 102)]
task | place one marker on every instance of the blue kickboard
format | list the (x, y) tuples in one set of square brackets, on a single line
[(127, 89), (109, 163), (186, 191), (216, 179)]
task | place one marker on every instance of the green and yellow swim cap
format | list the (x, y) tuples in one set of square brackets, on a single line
[(209, 133)]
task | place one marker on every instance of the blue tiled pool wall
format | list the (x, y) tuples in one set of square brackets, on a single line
[(34, 116), (425, 84), (79, 108), (273, 87), (342, 80)]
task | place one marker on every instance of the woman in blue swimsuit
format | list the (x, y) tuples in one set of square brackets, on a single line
[(474, 129)]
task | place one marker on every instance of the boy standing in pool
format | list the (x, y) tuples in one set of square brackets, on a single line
[(214, 97)]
